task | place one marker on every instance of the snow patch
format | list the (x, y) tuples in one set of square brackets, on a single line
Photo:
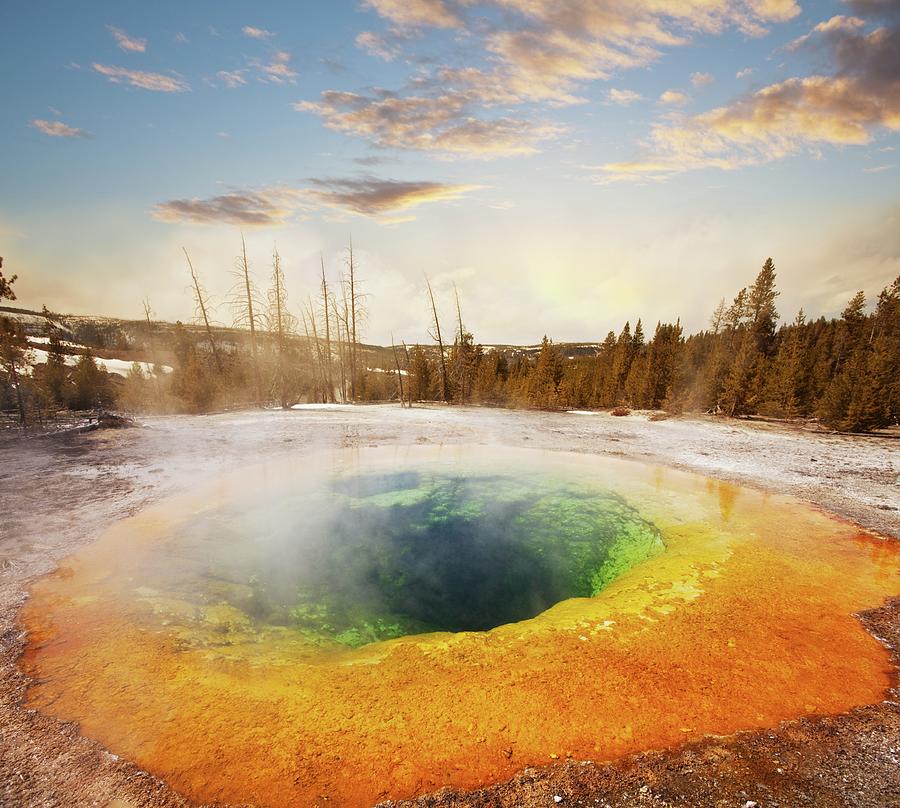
[(119, 367), (321, 406)]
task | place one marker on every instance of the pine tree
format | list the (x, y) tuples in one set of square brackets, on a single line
[(55, 374), (637, 382), (664, 361), (736, 392), (90, 385), (544, 380), (6, 284), (717, 321), (872, 373), (491, 377), (738, 312), (786, 390), (135, 394), (15, 360), (761, 308), (421, 375), (463, 360), (621, 364), (14, 355), (850, 368), (637, 340), (605, 383), (849, 330)]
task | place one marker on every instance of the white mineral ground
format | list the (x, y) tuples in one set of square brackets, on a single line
[(57, 493)]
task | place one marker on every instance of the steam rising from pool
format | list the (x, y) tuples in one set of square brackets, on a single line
[(369, 557)]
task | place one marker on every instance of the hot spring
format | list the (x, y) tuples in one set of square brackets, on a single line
[(378, 623)]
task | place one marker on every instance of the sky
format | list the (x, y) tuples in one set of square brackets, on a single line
[(566, 164)]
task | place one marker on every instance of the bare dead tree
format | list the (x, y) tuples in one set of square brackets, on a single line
[(408, 386), (309, 348), (201, 301), (399, 372), (329, 378), (339, 321), (356, 314), (309, 317), (460, 370), (148, 316), (243, 300), (436, 335), (352, 323), (282, 323)]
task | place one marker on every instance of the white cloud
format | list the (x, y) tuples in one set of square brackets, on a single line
[(157, 82), (232, 78), (673, 98), (277, 70), (57, 128), (125, 42), (256, 33), (623, 97), (377, 45)]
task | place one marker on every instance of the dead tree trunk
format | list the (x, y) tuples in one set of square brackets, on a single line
[(445, 389), (329, 378), (203, 308), (399, 373), (278, 301), (342, 351), (461, 369), (319, 361), (20, 402), (352, 326), (409, 401), (251, 317), (148, 313)]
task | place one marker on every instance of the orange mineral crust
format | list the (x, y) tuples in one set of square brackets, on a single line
[(746, 619)]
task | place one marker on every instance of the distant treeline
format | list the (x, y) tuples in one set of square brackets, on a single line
[(844, 372)]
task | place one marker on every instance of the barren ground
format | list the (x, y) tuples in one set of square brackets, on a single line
[(57, 493)]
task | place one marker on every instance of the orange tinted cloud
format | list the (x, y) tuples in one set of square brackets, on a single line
[(542, 51), (273, 206), (673, 98), (57, 128), (439, 123), (125, 42), (846, 108), (369, 196), (430, 13), (157, 82)]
